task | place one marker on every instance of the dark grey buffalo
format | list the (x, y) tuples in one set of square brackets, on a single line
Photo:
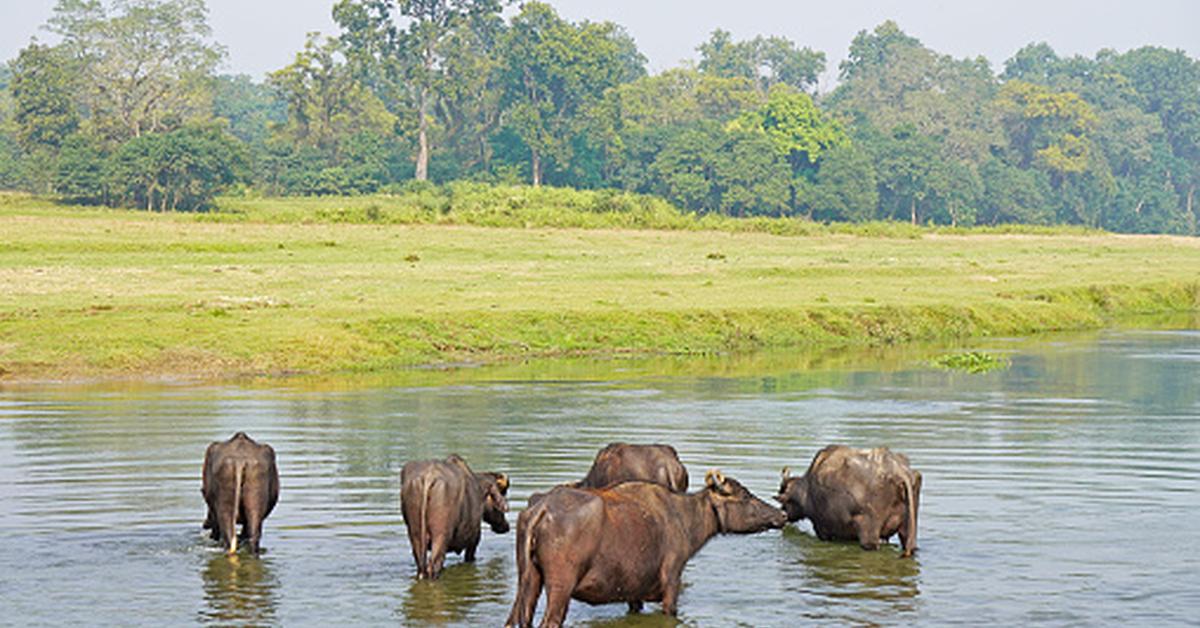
[(627, 542), (443, 502), (240, 485), (856, 494)]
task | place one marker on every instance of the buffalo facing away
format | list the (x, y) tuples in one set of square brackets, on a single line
[(627, 543), (240, 485), (443, 502), (856, 494), (623, 462)]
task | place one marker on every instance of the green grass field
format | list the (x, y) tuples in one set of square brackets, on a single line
[(283, 286)]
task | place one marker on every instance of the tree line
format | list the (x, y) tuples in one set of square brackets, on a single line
[(129, 110)]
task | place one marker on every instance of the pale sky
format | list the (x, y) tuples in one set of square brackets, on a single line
[(263, 35)]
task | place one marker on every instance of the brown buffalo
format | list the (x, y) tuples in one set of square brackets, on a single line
[(627, 543), (443, 502), (856, 494), (622, 462), (240, 485)]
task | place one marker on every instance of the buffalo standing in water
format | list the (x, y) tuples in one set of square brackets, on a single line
[(856, 494), (240, 485), (442, 502), (622, 462), (625, 543)]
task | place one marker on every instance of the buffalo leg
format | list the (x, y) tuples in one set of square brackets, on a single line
[(671, 579), (529, 589), (635, 607), (252, 529), (558, 596), (868, 531), (437, 556), (210, 524)]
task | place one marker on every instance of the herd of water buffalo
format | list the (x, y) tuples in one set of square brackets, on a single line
[(621, 534)]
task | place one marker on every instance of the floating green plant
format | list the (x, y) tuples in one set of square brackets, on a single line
[(972, 362)]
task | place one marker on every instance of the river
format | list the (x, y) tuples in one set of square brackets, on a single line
[(1061, 490)]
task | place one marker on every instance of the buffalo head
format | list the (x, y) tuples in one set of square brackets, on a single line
[(793, 494), (494, 502), (738, 510)]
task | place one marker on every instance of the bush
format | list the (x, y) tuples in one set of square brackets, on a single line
[(181, 170)]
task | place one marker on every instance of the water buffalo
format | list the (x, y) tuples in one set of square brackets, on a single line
[(625, 543), (622, 462), (240, 485), (856, 494), (442, 502)]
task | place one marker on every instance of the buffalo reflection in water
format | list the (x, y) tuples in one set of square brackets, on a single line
[(842, 570), (239, 590), (460, 587)]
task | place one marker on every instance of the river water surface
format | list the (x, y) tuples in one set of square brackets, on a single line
[(1063, 490)]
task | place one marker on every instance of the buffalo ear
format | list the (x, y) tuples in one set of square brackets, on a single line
[(497, 498), (715, 480), (502, 483), (787, 472)]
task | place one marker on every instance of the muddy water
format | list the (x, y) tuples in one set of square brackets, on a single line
[(1063, 490)]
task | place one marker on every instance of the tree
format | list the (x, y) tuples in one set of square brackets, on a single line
[(43, 91), (631, 121), (552, 71), (412, 48), (751, 178), (325, 104), (904, 166), (82, 174), (1013, 195), (179, 170), (145, 68), (798, 130), (891, 80), (766, 61), (844, 187), (250, 108)]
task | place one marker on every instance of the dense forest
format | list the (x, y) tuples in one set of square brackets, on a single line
[(128, 109)]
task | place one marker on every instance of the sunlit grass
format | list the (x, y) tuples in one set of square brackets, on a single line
[(108, 293)]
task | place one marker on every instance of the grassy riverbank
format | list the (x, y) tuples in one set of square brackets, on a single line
[(295, 286)]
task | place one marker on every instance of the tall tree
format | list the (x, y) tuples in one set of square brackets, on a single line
[(798, 130), (552, 71), (765, 60), (326, 105), (410, 44), (43, 89), (147, 65)]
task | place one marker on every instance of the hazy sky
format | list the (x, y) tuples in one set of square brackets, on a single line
[(263, 35)]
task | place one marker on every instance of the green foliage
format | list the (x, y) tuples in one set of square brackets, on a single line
[(465, 90), (766, 61), (180, 170), (250, 108), (325, 103), (144, 67), (42, 89), (798, 130), (552, 71), (974, 362), (82, 174)]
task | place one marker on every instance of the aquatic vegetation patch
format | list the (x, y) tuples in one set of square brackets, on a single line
[(972, 362)]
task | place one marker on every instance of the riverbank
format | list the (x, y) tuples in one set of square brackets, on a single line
[(104, 294)]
